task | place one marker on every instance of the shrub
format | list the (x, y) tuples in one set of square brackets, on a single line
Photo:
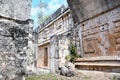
[(73, 54)]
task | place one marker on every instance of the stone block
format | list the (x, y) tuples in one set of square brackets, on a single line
[(15, 9)]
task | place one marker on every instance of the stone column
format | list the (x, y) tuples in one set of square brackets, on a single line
[(54, 54)]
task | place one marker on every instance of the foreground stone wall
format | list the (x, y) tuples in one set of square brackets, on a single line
[(15, 27), (15, 9), (13, 46)]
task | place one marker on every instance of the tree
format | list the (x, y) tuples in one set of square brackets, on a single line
[(41, 16)]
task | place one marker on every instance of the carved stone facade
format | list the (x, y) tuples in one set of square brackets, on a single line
[(53, 42), (97, 24)]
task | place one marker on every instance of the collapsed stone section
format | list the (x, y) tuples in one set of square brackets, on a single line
[(14, 36)]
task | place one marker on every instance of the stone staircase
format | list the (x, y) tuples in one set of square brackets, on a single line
[(106, 64)]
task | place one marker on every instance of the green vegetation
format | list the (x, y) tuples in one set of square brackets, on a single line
[(44, 77), (86, 78), (114, 78), (73, 54), (42, 18), (41, 15)]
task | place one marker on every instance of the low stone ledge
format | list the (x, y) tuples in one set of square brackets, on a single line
[(102, 58)]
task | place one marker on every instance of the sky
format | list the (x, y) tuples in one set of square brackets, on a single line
[(53, 5)]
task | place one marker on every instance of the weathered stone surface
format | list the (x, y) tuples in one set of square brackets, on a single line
[(13, 45), (83, 10), (14, 36), (15, 9), (67, 69), (97, 23), (15, 27), (99, 31), (59, 49), (54, 55)]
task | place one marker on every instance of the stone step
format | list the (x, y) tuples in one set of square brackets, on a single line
[(99, 64), (107, 64), (95, 59)]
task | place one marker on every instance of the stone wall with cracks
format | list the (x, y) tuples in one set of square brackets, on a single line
[(15, 9), (15, 35)]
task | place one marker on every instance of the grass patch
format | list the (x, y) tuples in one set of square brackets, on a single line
[(114, 78), (44, 77), (86, 78)]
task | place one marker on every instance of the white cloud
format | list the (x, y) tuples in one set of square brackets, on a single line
[(36, 10), (53, 6)]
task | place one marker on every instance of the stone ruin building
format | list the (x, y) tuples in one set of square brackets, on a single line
[(95, 32), (93, 26), (53, 40)]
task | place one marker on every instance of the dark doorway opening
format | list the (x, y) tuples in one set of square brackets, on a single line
[(46, 57)]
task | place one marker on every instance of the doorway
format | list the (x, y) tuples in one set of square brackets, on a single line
[(46, 57)]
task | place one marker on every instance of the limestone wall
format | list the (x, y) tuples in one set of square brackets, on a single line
[(15, 27), (13, 46), (100, 35), (97, 24), (95, 34), (15, 9), (59, 49), (85, 9)]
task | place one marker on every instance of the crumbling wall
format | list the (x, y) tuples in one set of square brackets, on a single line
[(14, 36)]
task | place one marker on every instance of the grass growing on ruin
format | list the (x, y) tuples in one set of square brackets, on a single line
[(44, 77)]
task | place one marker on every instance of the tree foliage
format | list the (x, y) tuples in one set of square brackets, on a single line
[(41, 15)]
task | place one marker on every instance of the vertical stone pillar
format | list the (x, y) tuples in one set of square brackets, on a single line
[(54, 54)]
